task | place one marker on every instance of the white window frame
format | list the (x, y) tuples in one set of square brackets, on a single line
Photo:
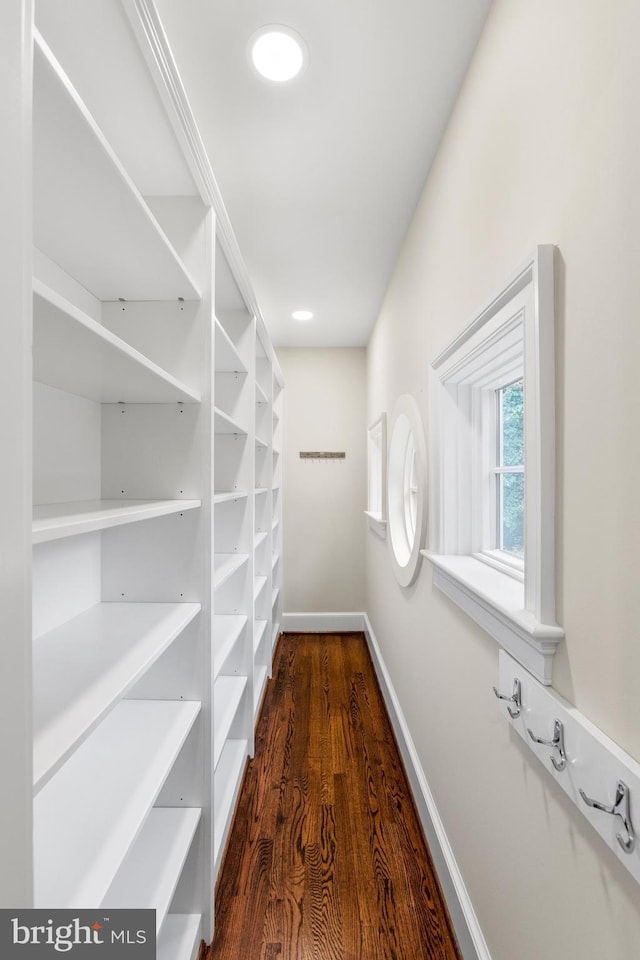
[(512, 336), (377, 475)]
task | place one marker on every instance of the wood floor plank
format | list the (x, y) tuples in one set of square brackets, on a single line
[(326, 859)]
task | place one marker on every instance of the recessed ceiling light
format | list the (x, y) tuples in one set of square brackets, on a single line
[(302, 315), (278, 53)]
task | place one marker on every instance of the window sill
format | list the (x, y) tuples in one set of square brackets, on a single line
[(496, 602), (377, 524)]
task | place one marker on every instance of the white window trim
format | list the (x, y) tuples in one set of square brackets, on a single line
[(378, 429), (520, 616)]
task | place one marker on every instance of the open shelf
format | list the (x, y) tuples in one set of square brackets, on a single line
[(230, 497), (225, 564), (227, 784), (87, 816), (53, 521), (88, 215), (227, 358), (259, 681), (150, 872), (226, 631), (180, 937), (73, 352), (261, 396), (263, 444), (223, 423), (259, 628), (258, 586), (227, 694), (259, 539), (83, 668)]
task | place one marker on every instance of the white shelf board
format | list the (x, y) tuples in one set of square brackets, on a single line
[(260, 491), (227, 358), (259, 681), (225, 564), (261, 396), (274, 597), (180, 937), (73, 352), (263, 444), (150, 872), (90, 218), (53, 521), (227, 782), (276, 521), (226, 631), (230, 497), (223, 423), (259, 627), (274, 559), (227, 694), (88, 816), (259, 539), (258, 586), (275, 634), (83, 668)]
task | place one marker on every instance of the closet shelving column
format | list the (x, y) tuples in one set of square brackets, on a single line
[(276, 506), (262, 536), (121, 512), (233, 566)]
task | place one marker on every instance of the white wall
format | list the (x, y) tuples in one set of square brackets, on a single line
[(324, 410), (543, 146)]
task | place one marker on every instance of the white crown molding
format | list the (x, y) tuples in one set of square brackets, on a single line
[(152, 38)]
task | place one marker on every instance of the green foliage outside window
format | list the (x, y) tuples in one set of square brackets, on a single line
[(511, 485)]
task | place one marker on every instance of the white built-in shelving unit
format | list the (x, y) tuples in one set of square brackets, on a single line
[(276, 504), (156, 535)]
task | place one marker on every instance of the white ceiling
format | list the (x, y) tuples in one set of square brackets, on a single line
[(321, 176)]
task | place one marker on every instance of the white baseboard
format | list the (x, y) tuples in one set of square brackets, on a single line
[(469, 935), (322, 622)]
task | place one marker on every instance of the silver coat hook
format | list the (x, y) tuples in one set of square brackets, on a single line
[(515, 698), (621, 808), (557, 743)]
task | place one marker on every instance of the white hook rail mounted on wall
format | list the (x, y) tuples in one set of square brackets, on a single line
[(602, 780)]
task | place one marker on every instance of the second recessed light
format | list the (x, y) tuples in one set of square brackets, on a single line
[(302, 315)]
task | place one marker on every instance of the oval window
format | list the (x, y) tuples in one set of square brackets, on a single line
[(406, 490)]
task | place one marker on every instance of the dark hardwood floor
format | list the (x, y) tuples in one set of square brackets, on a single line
[(326, 859)]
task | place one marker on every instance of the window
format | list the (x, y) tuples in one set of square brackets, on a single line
[(501, 479), (410, 490), (494, 422), (507, 476), (377, 475), (406, 490)]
